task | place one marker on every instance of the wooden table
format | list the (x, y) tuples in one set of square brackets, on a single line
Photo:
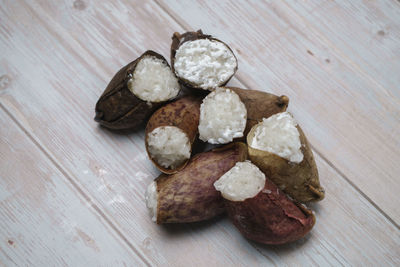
[(72, 193)]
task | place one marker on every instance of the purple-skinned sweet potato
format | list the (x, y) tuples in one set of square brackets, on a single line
[(189, 195), (259, 209)]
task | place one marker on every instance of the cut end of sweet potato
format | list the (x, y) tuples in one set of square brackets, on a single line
[(151, 197), (222, 117), (153, 80), (278, 135), (201, 61), (241, 182), (169, 146)]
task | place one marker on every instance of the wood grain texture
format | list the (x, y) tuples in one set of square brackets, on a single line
[(347, 114), (59, 57), (43, 220)]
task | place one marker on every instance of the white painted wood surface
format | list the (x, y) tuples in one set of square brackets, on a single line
[(349, 111), (57, 57), (44, 219)]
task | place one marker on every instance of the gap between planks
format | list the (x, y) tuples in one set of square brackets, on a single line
[(337, 170), (75, 185)]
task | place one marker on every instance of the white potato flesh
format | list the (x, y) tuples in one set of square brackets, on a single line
[(153, 80), (169, 146), (278, 135), (223, 117), (205, 63), (242, 181)]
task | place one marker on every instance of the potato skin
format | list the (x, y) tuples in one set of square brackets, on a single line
[(118, 108), (183, 113), (179, 39), (189, 195), (260, 105), (270, 217), (298, 180)]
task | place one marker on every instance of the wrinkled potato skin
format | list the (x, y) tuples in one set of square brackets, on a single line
[(179, 39), (189, 195), (260, 105), (270, 217), (118, 108), (183, 113), (298, 180)]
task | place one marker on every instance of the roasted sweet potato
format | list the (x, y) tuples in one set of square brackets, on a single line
[(170, 133), (259, 210), (189, 195), (297, 176), (136, 91), (201, 61)]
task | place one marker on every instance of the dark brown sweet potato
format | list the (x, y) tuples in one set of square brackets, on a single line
[(270, 217), (189, 195), (260, 105), (118, 108), (179, 39), (184, 114)]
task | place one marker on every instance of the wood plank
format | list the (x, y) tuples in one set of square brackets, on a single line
[(349, 117), (44, 221), (113, 169), (367, 32)]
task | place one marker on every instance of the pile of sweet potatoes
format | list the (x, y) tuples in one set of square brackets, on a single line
[(186, 193)]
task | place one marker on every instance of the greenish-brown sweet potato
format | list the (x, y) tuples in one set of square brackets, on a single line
[(298, 180)]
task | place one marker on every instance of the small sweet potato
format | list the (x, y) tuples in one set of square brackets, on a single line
[(182, 114), (210, 63), (189, 195), (260, 105), (298, 180), (118, 107)]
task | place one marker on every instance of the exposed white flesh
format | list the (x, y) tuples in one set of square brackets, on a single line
[(278, 135), (222, 117), (205, 63), (241, 182), (151, 200), (153, 80), (169, 146)]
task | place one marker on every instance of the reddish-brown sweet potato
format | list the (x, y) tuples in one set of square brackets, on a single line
[(270, 217), (189, 195), (183, 114)]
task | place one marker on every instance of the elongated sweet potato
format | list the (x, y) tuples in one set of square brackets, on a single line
[(170, 133), (260, 105), (189, 195), (259, 210), (201, 61), (136, 91), (296, 172)]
